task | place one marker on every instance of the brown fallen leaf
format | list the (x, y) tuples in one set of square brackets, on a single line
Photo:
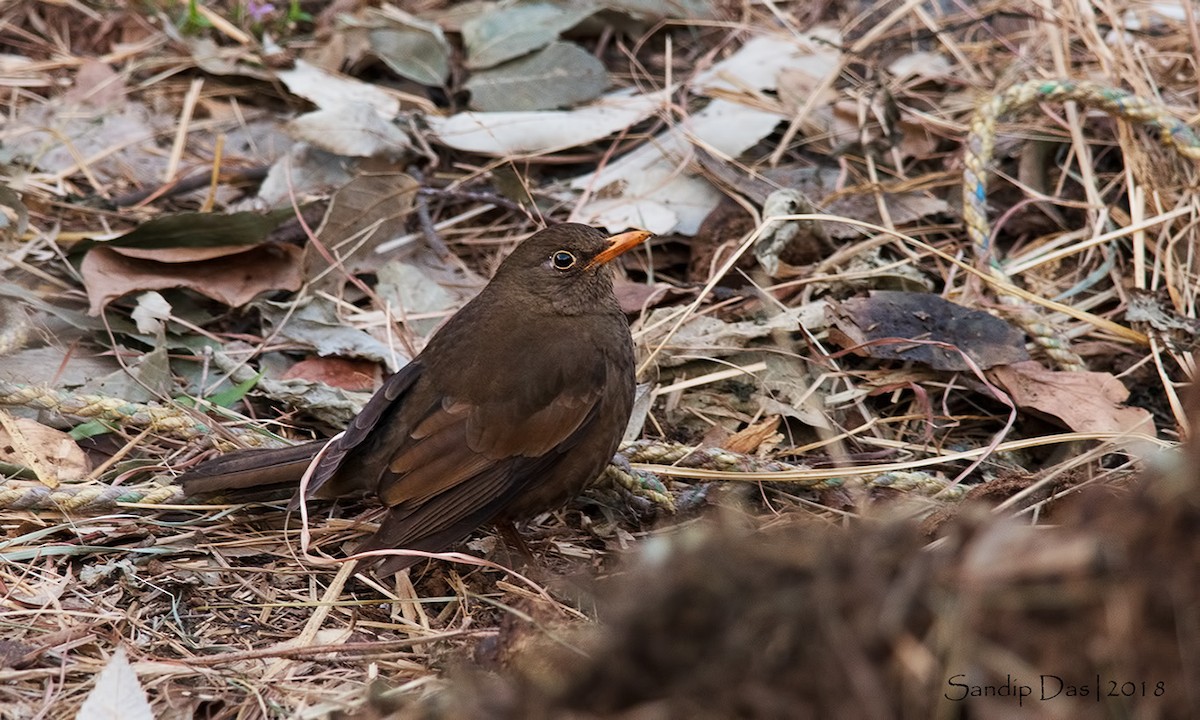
[(1083, 401), (232, 275)]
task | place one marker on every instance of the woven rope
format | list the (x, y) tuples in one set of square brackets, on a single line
[(980, 146), (160, 420), (85, 499)]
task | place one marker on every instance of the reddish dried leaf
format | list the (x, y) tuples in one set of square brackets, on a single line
[(358, 375)]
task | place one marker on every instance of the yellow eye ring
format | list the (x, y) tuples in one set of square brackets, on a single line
[(563, 260)]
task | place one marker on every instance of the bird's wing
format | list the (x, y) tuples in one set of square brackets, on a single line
[(480, 444), (432, 510), (412, 442)]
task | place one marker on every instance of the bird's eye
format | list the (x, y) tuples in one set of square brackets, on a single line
[(563, 260)]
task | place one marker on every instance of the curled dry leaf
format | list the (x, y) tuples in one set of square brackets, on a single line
[(782, 239), (14, 216), (232, 275), (151, 313), (750, 438)]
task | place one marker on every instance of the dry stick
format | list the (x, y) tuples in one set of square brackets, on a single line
[(340, 648), (215, 175), (181, 133), (220, 23), (746, 242), (313, 626), (82, 164), (1138, 226), (1049, 478), (815, 475), (1181, 415)]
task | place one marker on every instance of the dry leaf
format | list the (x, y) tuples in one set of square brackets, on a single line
[(356, 375), (634, 297), (704, 336), (502, 134), (371, 209), (652, 186), (52, 455), (117, 695), (871, 325), (329, 90), (151, 313), (1083, 401), (354, 129), (314, 322), (560, 75), (412, 47), (230, 275), (759, 63), (507, 31), (748, 439)]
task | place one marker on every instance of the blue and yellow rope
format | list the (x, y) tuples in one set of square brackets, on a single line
[(980, 147)]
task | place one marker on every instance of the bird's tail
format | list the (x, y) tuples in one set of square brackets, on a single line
[(251, 469)]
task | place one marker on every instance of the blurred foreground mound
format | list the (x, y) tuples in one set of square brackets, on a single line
[(1096, 617)]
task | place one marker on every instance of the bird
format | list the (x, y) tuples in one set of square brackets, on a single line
[(513, 406)]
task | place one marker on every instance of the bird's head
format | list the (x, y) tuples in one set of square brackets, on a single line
[(568, 264)]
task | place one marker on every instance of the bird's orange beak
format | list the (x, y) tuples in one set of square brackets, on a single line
[(618, 244)]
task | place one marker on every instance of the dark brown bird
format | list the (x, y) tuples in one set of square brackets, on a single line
[(515, 404)]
